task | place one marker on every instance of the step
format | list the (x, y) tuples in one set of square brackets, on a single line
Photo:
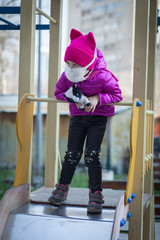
[(157, 218), (156, 167), (156, 160), (157, 185), (121, 185), (157, 209), (78, 197), (157, 198)]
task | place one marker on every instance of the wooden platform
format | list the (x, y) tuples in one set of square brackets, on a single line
[(78, 197)]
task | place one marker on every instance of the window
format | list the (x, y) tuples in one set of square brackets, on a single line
[(110, 6), (109, 46), (99, 10), (85, 12), (120, 3), (86, 3), (119, 14)]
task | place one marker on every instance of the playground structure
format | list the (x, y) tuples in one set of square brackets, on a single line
[(31, 214)]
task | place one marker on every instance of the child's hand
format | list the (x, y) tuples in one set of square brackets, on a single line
[(79, 105), (94, 100)]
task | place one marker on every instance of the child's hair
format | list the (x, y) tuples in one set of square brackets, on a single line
[(82, 49)]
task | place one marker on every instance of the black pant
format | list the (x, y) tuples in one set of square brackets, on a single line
[(91, 128)]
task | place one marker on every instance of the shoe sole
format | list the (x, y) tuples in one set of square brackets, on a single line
[(94, 210), (55, 203)]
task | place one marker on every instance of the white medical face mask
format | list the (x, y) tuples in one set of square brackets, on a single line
[(77, 74)]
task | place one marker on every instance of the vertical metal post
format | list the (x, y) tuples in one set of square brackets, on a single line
[(39, 114)]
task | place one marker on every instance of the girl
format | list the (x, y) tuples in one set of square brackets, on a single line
[(85, 66)]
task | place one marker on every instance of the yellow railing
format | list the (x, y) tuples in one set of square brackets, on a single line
[(133, 145), (24, 123)]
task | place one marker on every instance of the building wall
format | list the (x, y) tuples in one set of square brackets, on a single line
[(7, 138)]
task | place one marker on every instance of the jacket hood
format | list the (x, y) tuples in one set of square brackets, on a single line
[(100, 63)]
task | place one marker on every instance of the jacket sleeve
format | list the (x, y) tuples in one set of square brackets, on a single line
[(61, 88), (111, 90)]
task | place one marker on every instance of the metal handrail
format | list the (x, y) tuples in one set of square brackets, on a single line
[(54, 100), (46, 15)]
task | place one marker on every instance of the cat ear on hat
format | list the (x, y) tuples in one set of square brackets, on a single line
[(91, 37), (75, 33)]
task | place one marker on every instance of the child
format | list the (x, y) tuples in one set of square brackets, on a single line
[(85, 66)]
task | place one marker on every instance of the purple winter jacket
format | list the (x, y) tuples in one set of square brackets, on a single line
[(100, 82)]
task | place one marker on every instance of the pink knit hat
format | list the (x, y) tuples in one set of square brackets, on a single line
[(81, 49)]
